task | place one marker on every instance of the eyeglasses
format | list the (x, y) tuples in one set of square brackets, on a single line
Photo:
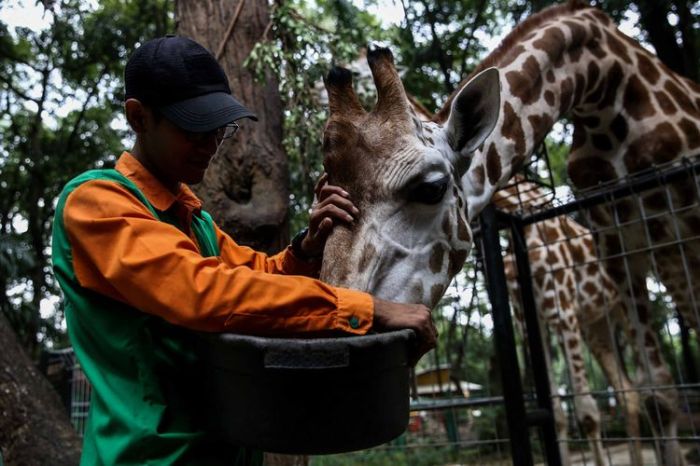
[(225, 132)]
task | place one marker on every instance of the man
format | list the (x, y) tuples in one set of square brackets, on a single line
[(141, 266)]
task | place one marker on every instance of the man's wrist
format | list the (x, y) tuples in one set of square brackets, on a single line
[(297, 248)]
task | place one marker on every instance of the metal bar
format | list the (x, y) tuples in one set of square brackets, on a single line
[(504, 339), (633, 184), (536, 344)]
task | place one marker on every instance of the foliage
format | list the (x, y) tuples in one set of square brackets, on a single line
[(60, 91)]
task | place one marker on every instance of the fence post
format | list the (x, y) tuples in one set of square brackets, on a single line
[(504, 339), (536, 344)]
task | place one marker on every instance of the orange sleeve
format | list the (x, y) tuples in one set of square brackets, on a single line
[(120, 250), (285, 262)]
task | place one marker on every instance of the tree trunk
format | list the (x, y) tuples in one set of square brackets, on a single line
[(246, 186), (34, 427)]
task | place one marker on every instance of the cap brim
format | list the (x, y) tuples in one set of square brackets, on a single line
[(206, 112)]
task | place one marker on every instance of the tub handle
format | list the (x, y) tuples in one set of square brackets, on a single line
[(307, 358)]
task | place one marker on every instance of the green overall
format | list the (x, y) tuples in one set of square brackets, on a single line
[(147, 401)]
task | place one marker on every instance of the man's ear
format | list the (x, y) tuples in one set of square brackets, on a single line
[(474, 112), (136, 115)]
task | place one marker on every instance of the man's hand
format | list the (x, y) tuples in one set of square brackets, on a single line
[(395, 316), (332, 206)]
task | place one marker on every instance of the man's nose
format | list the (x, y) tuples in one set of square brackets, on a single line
[(209, 144)]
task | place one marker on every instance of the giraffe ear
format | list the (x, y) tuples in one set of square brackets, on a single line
[(474, 112)]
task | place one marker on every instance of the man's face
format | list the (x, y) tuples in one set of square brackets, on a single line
[(180, 155), (172, 154)]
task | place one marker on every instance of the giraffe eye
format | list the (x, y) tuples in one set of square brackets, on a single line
[(429, 192)]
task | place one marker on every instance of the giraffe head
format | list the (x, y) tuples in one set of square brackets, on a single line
[(404, 175)]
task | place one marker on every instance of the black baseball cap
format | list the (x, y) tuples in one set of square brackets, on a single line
[(184, 82)]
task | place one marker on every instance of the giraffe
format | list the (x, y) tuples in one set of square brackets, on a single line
[(579, 303), (414, 179)]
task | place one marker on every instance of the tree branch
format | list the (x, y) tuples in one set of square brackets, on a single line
[(476, 23), (74, 131), (229, 31), (19, 92)]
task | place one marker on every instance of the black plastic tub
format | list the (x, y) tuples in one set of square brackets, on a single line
[(317, 396)]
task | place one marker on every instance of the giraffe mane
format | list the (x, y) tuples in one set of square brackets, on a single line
[(521, 30)]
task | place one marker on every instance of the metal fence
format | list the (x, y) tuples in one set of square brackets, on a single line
[(64, 372)]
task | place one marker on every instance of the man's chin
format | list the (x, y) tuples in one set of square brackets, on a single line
[(194, 176)]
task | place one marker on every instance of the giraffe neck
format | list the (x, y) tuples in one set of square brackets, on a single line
[(574, 62)]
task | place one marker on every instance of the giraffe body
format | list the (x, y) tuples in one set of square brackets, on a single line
[(579, 303)]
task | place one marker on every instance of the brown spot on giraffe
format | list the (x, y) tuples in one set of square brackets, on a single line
[(657, 229), (552, 43), (418, 290), (550, 76), (636, 99), (550, 235), (565, 93), (580, 86), (479, 178), (436, 257), (540, 127), (512, 129), (457, 258), (573, 343), (576, 252), (436, 292), (692, 134), (647, 68), (526, 84), (589, 171), (462, 230), (589, 288), (602, 142), (578, 37), (570, 282), (493, 164), (624, 210), (579, 137), (590, 121), (600, 17), (592, 73), (617, 47), (619, 127), (595, 31), (663, 141), (612, 83), (665, 103), (446, 225), (549, 97), (367, 254), (512, 55), (548, 303), (655, 201), (680, 97)]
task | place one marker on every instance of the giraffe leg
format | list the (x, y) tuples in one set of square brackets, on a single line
[(599, 338), (561, 423), (587, 411), (661, 405)]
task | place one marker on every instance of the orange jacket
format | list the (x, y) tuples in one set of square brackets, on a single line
[(120, 250)]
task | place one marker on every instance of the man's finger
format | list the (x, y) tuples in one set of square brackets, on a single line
[(319, 184), (324, 228), (328, 190)]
